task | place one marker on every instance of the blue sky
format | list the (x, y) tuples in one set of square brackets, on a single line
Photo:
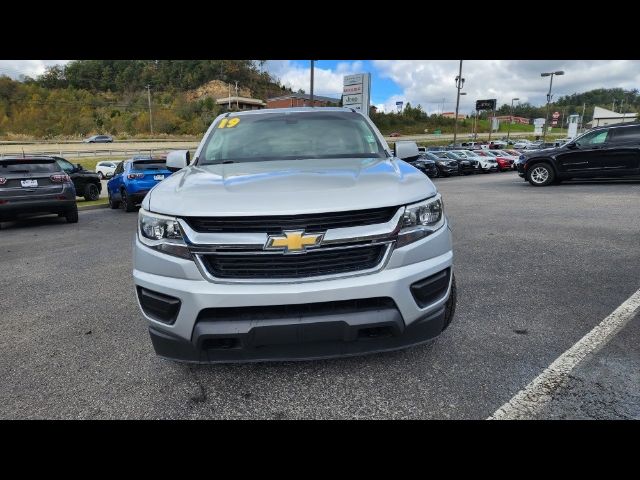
[(430, 82)]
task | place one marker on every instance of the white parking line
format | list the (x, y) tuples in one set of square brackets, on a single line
[(528, 401)]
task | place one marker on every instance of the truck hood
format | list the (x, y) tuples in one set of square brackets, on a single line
[(289, 187)]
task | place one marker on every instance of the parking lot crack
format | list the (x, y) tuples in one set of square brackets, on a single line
[(201, 395)]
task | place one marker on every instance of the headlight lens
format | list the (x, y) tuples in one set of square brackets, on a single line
[(162, 233), (421, 219)]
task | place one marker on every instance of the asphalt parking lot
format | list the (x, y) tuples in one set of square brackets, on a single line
[(537, 268)]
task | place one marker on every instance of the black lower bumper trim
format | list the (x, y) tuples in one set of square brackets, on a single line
[(309, 339)]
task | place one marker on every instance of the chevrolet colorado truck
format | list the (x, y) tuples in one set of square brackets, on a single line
[(292, 234)]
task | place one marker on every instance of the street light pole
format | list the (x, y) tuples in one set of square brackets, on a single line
[(510, 119), (459, 85), (546, 119)]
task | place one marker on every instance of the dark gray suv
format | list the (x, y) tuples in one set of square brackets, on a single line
[(33, 186)]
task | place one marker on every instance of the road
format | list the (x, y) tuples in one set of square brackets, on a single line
[(99, 149), (537, 268)]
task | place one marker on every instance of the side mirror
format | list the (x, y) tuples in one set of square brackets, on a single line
[(178, 159), (406, 150), (79, 167), (572, 145)]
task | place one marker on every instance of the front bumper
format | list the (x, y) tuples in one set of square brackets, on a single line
[(198, 335)]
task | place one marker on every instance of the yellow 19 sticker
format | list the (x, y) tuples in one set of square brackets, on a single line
[(229, 123)]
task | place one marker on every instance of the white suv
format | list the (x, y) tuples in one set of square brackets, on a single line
[(106, 169)]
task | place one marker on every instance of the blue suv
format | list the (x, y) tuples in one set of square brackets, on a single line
[(133, 178)]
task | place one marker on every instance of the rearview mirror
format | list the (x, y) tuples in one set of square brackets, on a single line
[(406, 150), (178, 159)]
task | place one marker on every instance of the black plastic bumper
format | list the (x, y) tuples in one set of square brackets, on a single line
[(33, 207), (310, 338)]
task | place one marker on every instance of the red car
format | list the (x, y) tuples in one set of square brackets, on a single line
[(395, 134), (503, 162)]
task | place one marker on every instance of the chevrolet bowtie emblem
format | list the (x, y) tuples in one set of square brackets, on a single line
[(293, 241)]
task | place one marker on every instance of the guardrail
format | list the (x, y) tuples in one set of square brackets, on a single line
[(110, 152)]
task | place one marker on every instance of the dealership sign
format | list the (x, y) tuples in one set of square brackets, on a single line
[(486, 104), (356, 92)]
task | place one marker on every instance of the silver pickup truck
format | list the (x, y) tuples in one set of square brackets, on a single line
[(292, 234)]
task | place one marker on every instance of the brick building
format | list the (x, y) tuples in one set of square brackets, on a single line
[(240, 103), (301, 100)]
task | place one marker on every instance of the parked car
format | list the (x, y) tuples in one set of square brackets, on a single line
[(504, 162), (465, 164), (611, 151), (99, 139), (133, 179), (446, 165), (427, 166), (419, 161), (487, 162), (521, 144), (86, 182), (33, 186), (468, 162), (256, 252), (497, 144), (395, 134), (105, 169), (513, 155)]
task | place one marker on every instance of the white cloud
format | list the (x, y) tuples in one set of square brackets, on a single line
[(428, 82), (326, 82), (31, 68)]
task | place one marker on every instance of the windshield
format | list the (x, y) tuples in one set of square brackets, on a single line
[(291, 136), (28, 166)]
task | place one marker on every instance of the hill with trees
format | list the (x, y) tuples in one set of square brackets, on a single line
[(110, 96)]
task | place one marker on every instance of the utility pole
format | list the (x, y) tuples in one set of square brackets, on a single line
[(549, 96), (311, 90), (582, 118), (237, 101), (562, 121), (493, 116), (510, 119), (459, 85), (149, 98), (229, 95)]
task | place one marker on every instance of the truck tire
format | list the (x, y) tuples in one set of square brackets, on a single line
[(91, 192), (541, 175)]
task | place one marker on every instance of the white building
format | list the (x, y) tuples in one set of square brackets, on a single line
[(602, 116)]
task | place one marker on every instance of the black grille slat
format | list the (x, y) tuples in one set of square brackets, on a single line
[(267, 312), (312, 263), (277, 223)]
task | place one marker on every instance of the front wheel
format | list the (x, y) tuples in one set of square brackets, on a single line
[(100, 176), (91, 193), (541, 175)]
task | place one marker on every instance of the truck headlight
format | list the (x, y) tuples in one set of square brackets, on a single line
[(420, 220), (162, 233)]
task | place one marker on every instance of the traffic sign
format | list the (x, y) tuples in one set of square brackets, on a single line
[(556, 115)]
